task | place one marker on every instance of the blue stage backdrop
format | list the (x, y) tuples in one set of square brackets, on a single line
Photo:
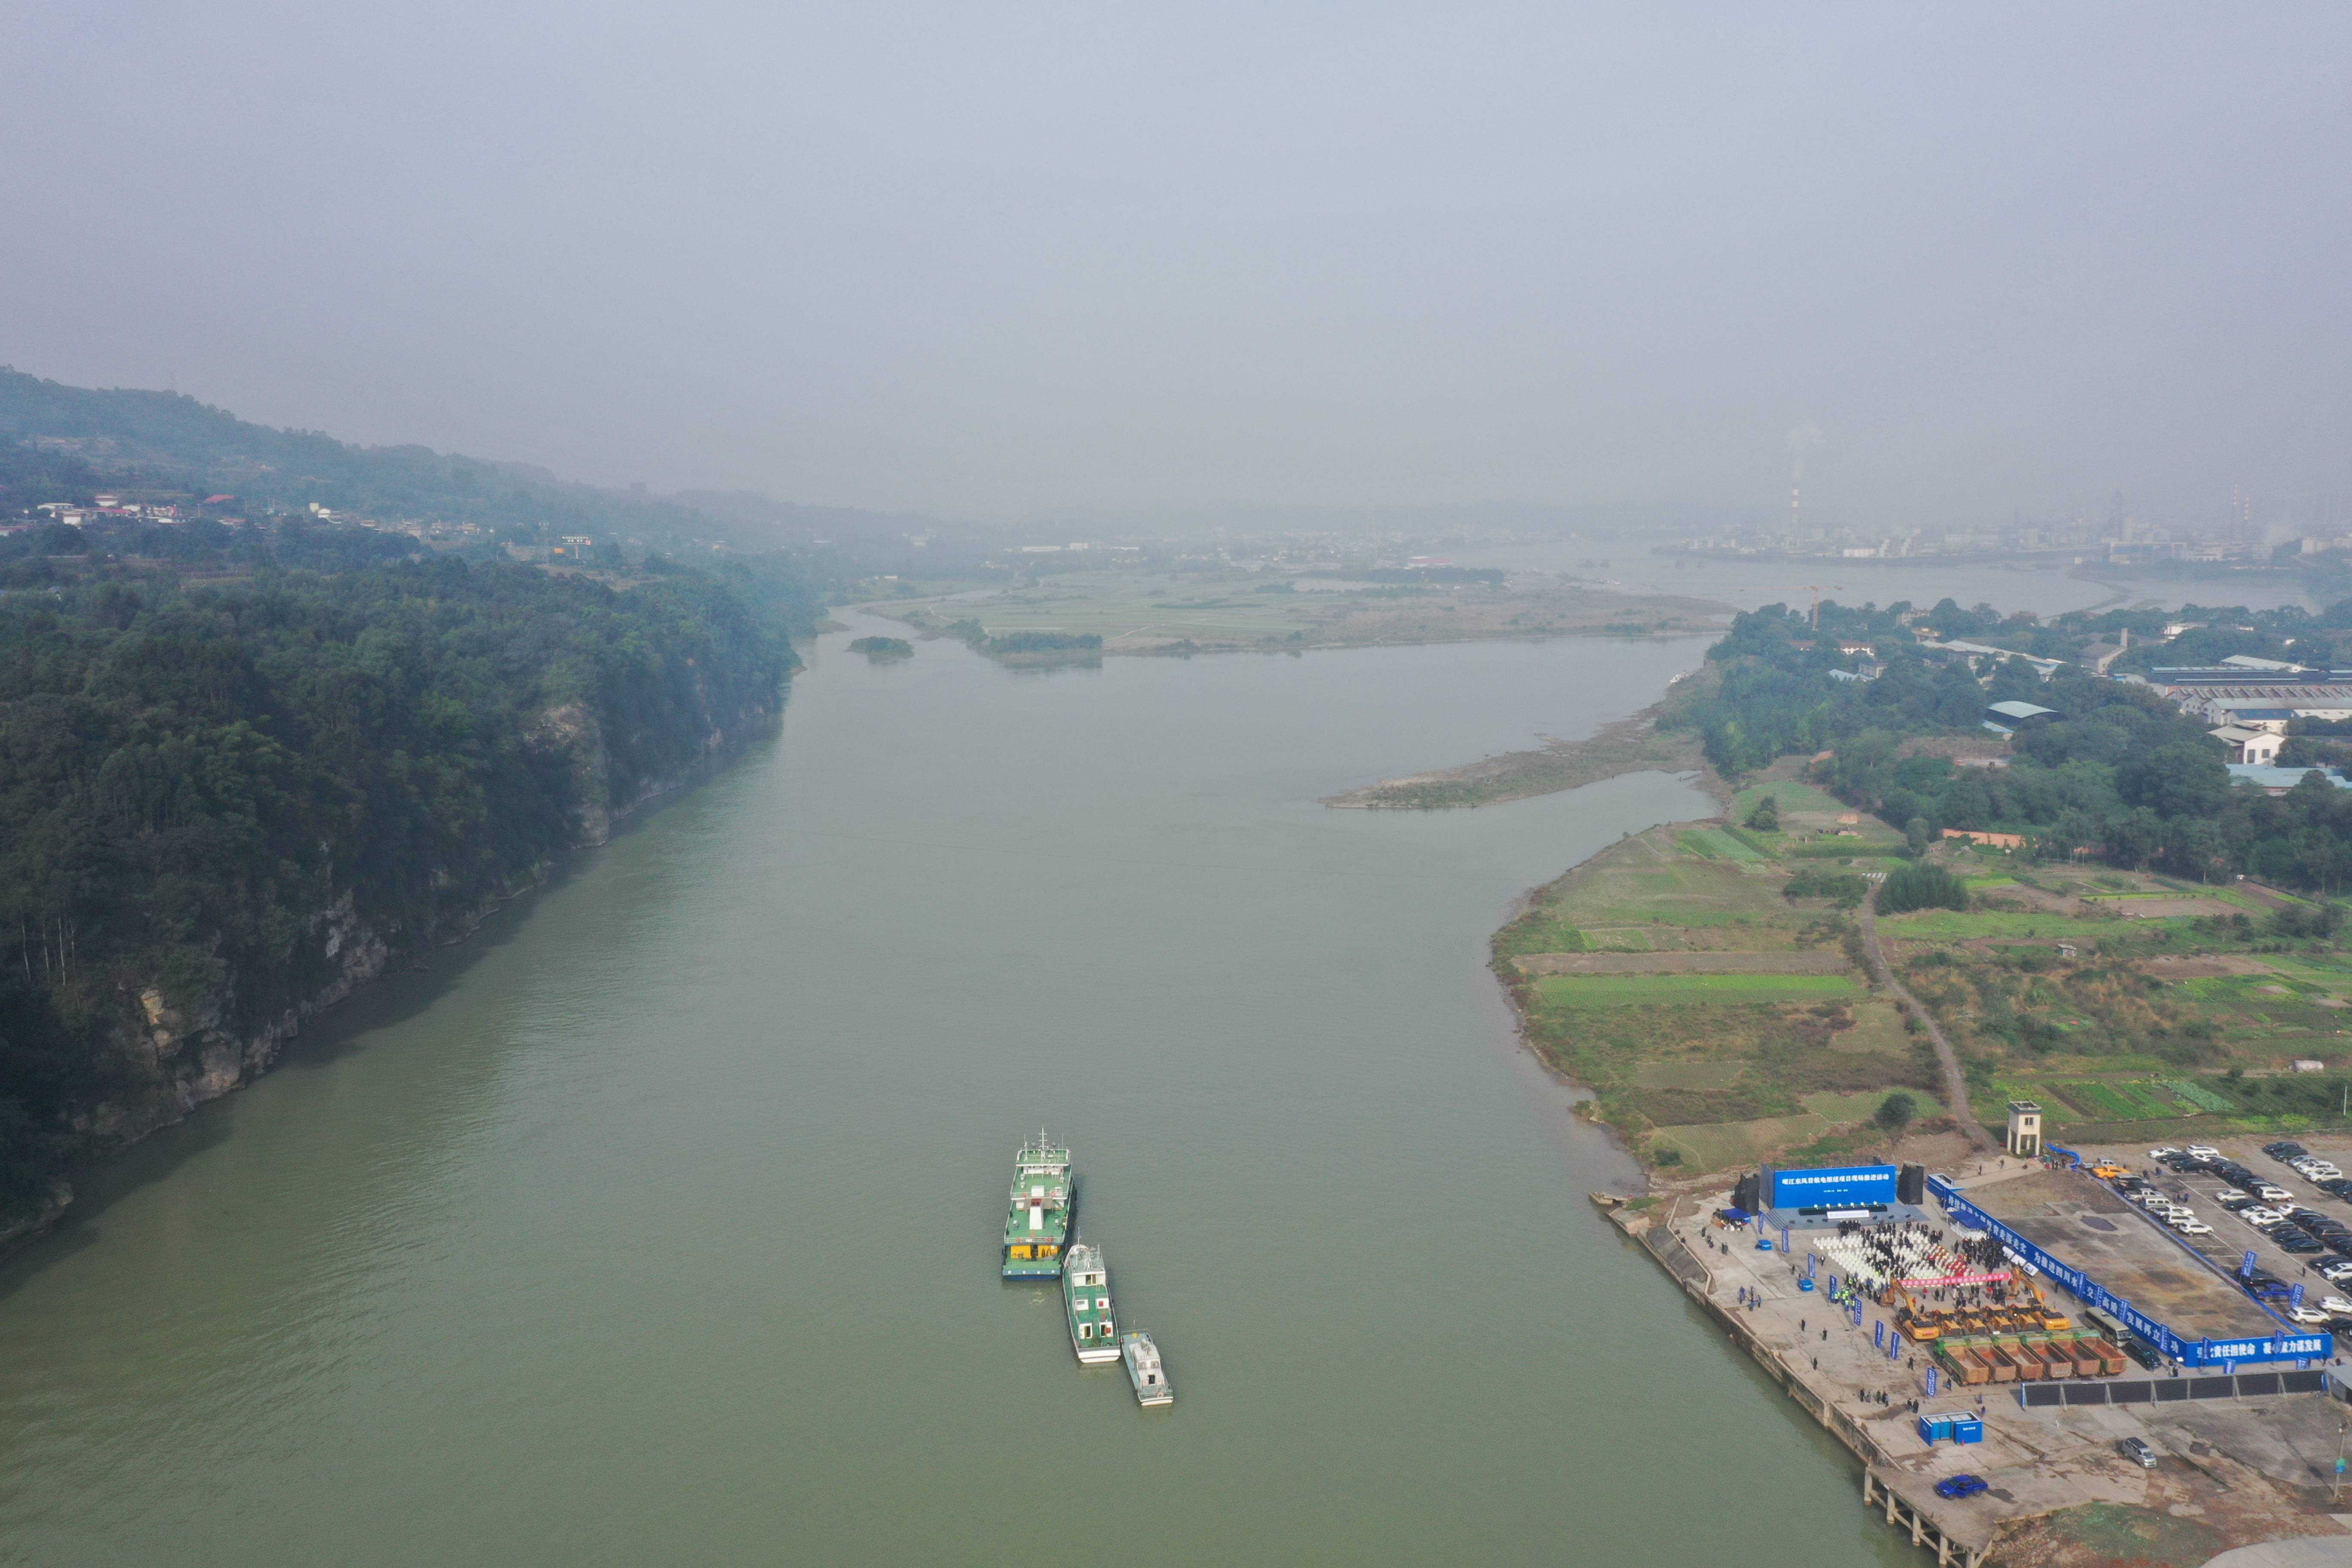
[(1833, 1187)]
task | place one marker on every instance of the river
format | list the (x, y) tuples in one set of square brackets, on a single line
[(658, 1223)]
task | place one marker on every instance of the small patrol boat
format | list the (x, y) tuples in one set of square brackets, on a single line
[(1085, 1302), (1144, 1371)]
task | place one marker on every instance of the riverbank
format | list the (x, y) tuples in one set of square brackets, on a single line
[(1717, 1005), (1632, 745)]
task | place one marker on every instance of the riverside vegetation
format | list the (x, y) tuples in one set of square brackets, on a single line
[(1081, 615), (221, 807), (1704, 979)]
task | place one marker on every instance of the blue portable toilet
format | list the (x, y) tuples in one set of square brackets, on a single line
[(1967, 1429), (1935, 1427)]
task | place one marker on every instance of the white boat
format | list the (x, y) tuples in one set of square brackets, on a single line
[(1144, 1371), (1085, 1303)]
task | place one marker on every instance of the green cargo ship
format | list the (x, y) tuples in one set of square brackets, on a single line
[(1039, 1225)]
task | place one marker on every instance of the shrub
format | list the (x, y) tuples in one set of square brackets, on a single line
[(1846, 888), (1766, 818), (1896, 1111)]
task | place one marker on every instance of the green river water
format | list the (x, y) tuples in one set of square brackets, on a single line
[(658, 1223)]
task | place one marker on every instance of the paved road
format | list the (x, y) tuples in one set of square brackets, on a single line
[(1955, 1088)]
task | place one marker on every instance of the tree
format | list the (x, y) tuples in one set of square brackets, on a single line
[(1922, 887), (2184, 779), (1766, 818), (1896, 1111), (1916, 835)]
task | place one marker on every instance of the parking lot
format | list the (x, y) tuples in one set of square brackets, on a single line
[(2286, 1253), (2090, 1225)]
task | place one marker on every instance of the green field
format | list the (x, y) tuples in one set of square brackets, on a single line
[(1633, 990), (1713, 1145), (2099, 1100), (1949, 925), (1115, 606), (1714, 843), (1862, 1106), (1789, 796)]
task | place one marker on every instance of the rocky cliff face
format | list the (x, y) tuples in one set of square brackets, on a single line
[(168, 1060)]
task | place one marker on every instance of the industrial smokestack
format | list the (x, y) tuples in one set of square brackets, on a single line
[(1801, 440)]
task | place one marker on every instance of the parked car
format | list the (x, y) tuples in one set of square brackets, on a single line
[(2335, 1270), (2137, 1452), (2335, 1304), (2234, 1202), (2269, 1194), (2192, 1228), (2164, 1152), (1961, 1486), (2308, 1317), (2284, 1149), (2205, 1150), (2140, 1351)]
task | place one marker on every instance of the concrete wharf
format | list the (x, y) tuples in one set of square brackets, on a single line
[(2221, 1456)]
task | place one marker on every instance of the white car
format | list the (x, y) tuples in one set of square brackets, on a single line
[(2338, 1305), (2306, 1315), (2269, 1194), (2323, 1172), (2175, 1216), (2204, 1151), (2161, 1154), (2262, 1219), (2192, 1228)]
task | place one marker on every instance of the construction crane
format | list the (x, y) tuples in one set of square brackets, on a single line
[(1813, 588)]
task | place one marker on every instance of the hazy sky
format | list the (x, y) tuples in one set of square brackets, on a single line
[(986, 259)]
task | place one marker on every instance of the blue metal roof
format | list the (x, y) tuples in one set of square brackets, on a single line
[(2283, 778)]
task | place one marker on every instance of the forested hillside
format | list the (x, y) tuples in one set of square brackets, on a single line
[(219, 807), (60, 442), (2119, 775)]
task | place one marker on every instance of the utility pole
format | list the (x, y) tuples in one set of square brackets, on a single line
[(2335, 1493)]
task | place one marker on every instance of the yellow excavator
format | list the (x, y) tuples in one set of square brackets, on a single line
[(1918, 1324), (2042, 1313)]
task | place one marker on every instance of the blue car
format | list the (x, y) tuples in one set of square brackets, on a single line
[(1961, 1486)]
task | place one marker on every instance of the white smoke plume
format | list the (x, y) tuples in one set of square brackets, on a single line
[(1806, 438)]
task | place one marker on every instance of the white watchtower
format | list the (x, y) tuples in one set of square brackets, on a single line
[(2025, 1127)]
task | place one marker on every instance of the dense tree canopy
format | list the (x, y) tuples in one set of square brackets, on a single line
[(190, 781), (2117, 773)]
